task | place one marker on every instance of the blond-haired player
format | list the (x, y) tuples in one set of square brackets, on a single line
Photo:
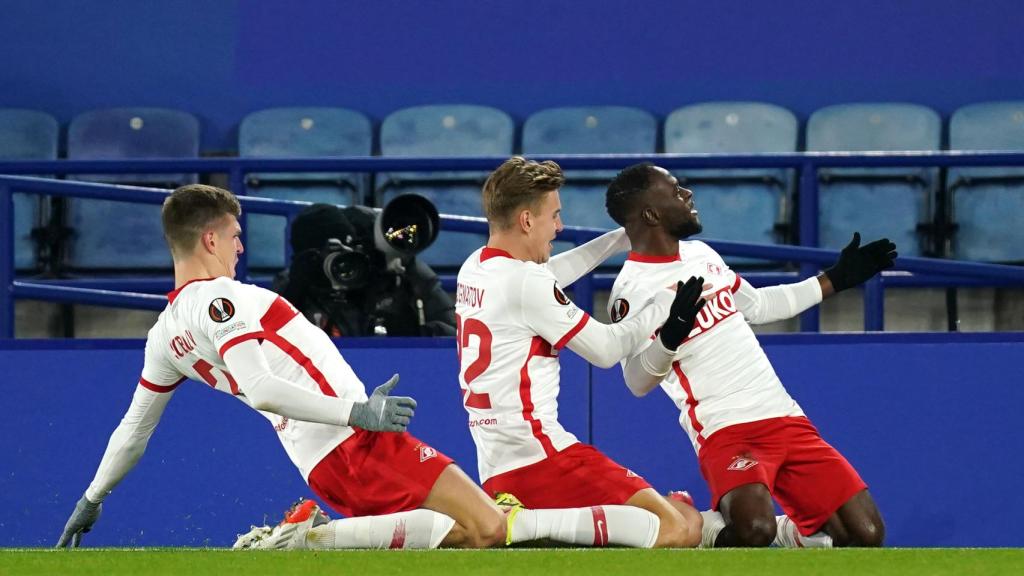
[(513, 320)]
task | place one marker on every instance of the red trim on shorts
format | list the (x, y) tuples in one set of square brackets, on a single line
[(653, 258), (575, 330), (158, 388), (174, 293), (736, 284), (538, 347), (600, 526), (238, 340), (279, 314), (690, 401), (487, 253), (302, 360)]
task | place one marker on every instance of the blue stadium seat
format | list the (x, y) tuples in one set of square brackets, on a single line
[(986, 202), (743, 204), (300, 132), (27, 135), (444, 130), (589, 130), (890, 202), (112, 235)]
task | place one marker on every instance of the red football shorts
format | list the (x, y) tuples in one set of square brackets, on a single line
[(807, 477), (374, 473), (576, 477)]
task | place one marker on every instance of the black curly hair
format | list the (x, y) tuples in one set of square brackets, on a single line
[(624, 188)]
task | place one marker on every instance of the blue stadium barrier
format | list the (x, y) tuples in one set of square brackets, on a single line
[(931, 422), (807, 164)]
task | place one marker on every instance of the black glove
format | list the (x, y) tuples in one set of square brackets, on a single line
[(683, 312), (858, 263), (85, 515)]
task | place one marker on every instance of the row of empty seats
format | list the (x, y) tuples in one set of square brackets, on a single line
[(739, 204)]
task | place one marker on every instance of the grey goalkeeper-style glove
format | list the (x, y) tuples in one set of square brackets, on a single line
[(85, 515), (383, 413)]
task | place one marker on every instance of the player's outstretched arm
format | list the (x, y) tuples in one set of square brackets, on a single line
[(125, 448), (855, 265), (265, 391), (572, 265), (771, 303), (604, 345)]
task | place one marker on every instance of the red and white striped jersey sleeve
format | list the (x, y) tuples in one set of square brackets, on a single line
[(547, 310), (231, 313)]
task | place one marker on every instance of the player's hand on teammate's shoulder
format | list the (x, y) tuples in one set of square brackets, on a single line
[(858, 263), (683, 312), (383, 413), (86, 514)]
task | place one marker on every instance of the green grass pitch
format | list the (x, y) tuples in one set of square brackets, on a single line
[(540, 562)]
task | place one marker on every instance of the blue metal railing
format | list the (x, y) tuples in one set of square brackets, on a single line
[(927, 272)]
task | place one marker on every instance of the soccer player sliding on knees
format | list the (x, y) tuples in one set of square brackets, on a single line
[(249, 343), (753, 442), (513, 319)]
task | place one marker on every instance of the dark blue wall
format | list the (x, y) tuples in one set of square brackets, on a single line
[(221, 60), (932, 424)]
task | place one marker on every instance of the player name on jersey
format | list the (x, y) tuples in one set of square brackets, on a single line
[(182, 344), (469, 296)]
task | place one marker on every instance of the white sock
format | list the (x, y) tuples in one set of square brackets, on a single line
[(595, 526), (413, 529), (713, 524), (787, 536)]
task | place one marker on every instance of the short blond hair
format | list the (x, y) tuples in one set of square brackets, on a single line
[(190, 210), (518, 183)]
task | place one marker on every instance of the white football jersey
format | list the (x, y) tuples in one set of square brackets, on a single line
[(720, 375), (513, 318), (206, 317)]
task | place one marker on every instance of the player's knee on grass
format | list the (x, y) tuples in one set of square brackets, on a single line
[(756, 531), (866, 533), (857, 523)]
